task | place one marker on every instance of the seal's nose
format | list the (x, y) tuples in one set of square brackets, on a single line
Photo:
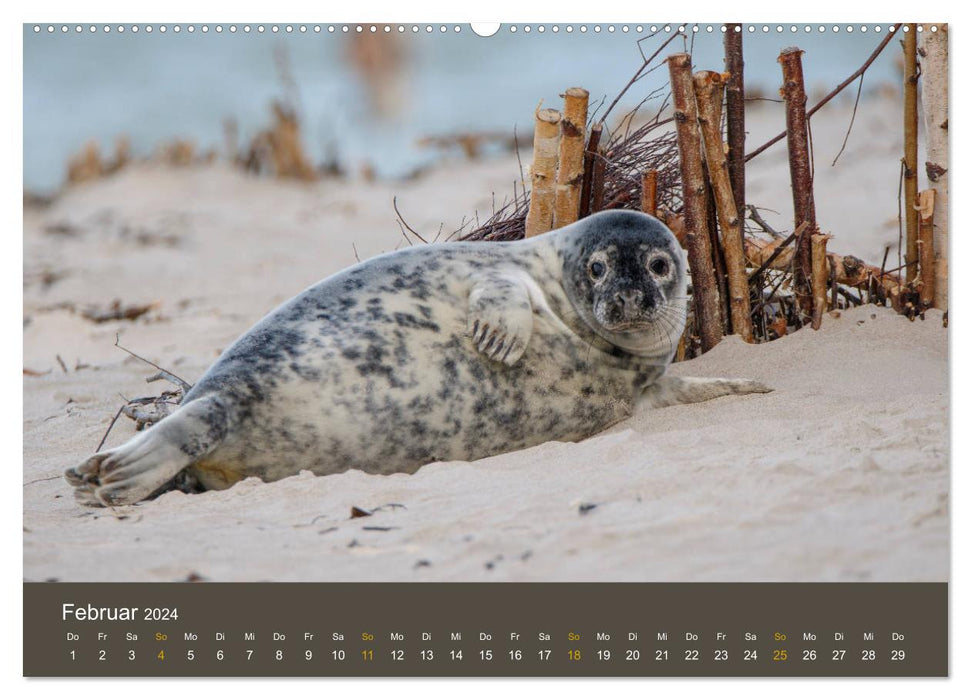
[(630, 300)]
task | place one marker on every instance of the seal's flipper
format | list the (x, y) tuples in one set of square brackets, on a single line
[(145, 464), (500, 319), (671, 391)]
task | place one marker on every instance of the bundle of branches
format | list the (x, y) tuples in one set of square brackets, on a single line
[(613, 169), (631, 150), (618, 169)]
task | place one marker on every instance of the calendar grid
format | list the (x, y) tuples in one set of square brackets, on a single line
[(474, 629)]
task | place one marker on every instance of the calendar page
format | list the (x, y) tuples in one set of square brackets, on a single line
[(548, 349)]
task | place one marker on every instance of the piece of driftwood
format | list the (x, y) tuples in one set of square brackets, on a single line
[(542, 193), (780, 245), (925, 247), (934, 98), (704, 289), (735, 112), (848, 269), (116, 311), (820, 277), (709, 89), (569, 175), (800, 172), (910, 149)]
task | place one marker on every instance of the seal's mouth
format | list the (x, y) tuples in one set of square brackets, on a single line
[(628, 313), (631, 326), (647, 329)]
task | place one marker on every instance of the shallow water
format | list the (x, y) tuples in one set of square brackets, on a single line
[(158, 87)]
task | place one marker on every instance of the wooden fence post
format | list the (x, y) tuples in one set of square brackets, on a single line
[(569, 176), (934, 74), (925, 247), (704, 289), (910, 150), (735, 112), (800, 173), (543, 172), (709, 88)]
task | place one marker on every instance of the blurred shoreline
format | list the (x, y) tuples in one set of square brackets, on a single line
[(365, 102)]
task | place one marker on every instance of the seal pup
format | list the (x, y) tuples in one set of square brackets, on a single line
[(454, 351)]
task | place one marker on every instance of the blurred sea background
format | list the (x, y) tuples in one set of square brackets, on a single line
[(366, 100)]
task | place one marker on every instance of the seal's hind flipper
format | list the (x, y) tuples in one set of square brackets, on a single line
[(500, 319), (671, 391), (147, 463)]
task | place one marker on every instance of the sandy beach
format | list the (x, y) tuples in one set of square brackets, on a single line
[(840, 474)]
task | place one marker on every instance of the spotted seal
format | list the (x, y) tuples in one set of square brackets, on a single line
[(453, 351)]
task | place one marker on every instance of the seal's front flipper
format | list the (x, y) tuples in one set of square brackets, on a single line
[(149, 461), (671, 391), (500, 319)]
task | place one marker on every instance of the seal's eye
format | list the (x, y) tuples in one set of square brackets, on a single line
[(659, 266), (597, 269)]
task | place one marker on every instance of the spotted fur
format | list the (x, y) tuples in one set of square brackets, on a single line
[(442, 352)]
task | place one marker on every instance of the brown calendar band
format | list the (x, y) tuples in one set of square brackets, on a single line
[(478, 629)]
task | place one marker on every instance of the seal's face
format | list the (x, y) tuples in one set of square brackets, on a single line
[(624, 273)]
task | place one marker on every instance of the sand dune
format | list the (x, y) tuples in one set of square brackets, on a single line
[(841, 474)]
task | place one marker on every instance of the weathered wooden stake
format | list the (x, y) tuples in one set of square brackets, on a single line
[(800, 173), (717, 255), (934, 74), (649, 192), (820, 277), (589, 158), (543, 172), (910, 149), (709, 88), (735, 112), (569, 176), (597, 185), (925, 247), (704, 290)]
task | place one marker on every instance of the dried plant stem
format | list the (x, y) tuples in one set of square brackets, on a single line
[(735, 112), (925, 247), (111, 425), (934, 97), (543, 172), (910, 149), (569, 176), (820, 277), (649, 192), (800, 173), (709, 88), (704, 289), (162, 372), (589, 158)]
